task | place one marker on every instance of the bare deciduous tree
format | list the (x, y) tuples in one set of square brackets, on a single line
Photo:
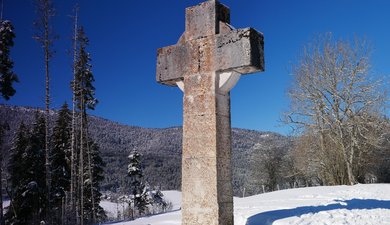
[(334, 100)]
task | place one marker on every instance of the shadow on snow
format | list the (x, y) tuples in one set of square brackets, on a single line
[(267, 218)]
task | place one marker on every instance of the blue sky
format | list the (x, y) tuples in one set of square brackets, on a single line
[(124, 36)]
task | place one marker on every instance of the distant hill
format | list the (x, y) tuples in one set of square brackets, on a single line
[(160, 149)]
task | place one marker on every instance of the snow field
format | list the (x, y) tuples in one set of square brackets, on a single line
[(362, 204), (112, 209)]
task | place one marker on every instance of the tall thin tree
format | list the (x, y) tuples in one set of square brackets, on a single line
[(73, 139), (85, 99), (45, 36)]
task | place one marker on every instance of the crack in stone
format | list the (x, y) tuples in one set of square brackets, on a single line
[(246, 34), (199, 58)]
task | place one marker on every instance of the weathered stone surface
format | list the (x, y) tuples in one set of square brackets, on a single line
[(209, 47), (171, 64), (192, 57), (240, 50), (226, 214), (223, 105), (203, 20)]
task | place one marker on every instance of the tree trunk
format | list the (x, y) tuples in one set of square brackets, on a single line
[(47, 153), (72, 149), (90, 174), (2, 132), (81, 163), (1, 180), (351, 179)]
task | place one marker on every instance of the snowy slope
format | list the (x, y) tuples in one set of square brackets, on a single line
[(174, 197), (367, 204), (6, 203), (112, 209), (356, 205)]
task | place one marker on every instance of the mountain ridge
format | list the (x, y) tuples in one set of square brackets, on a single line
[(160, 148)]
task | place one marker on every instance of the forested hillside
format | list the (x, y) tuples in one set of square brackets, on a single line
[(161, 151)]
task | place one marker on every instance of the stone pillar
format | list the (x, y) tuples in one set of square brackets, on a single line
[(206, 171), (224, 165), (206, 63)]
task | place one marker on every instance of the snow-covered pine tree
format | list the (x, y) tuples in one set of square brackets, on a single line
[(139, 191), (92, 203), (84, 92), (60, 164), (19, 145), (35, 186), (16, 169), (142, 198), (27, 175), (7, 76), (134, 168), (84, 89)]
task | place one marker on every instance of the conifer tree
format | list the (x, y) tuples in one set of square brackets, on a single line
[(84, 89), (60, 164), (7, 76), (27, 170), (16, 169), (142, 197), (139, 190), (19, 145), (92, 199), (84, 92), (35, 184)]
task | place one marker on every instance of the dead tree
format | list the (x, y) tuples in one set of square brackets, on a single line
[(45, 36)]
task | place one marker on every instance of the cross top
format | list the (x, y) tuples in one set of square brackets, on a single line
[(210, 44), (203, 20)]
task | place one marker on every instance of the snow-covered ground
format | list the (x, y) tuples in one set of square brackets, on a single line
[(173, 197), (363, 204), (112, 209), (6, 203)]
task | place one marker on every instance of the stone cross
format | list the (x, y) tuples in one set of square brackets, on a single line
[(205, 64)]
